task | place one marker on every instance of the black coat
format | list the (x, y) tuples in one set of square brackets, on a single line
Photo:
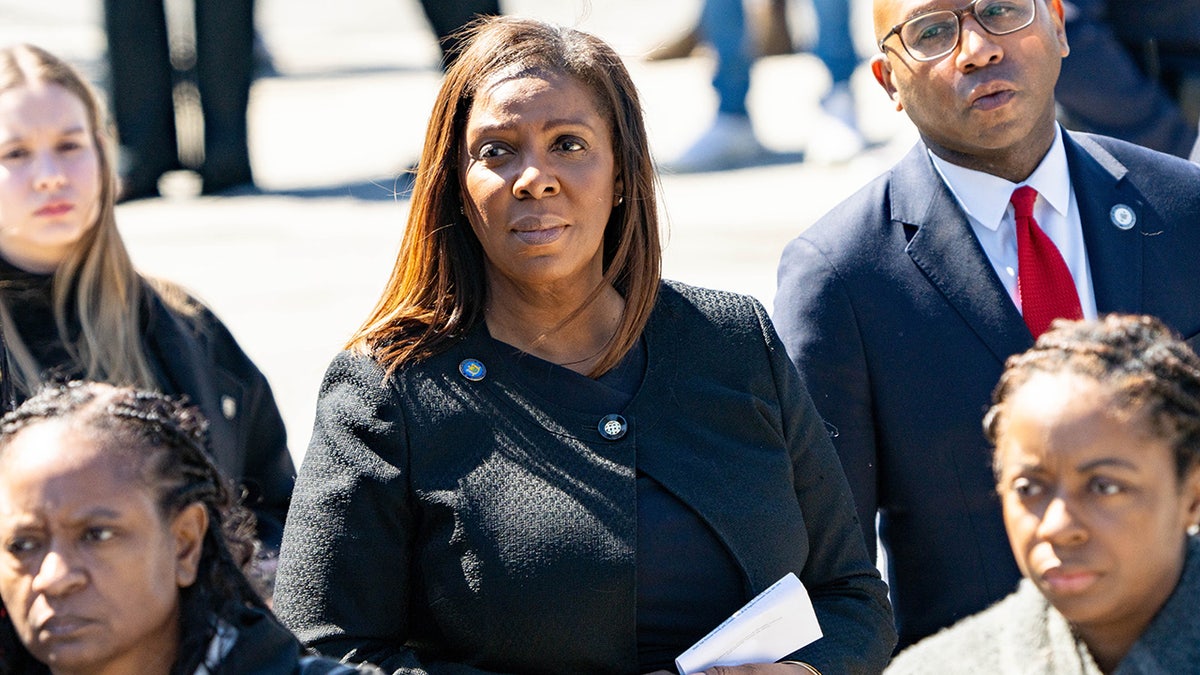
[(192, 353), (264, 647), (196, 355), (442, 524)]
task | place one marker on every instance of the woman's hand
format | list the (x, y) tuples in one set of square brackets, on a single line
[(754, 669), (763, 669)]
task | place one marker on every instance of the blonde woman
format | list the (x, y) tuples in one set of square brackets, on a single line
[(73, 306)]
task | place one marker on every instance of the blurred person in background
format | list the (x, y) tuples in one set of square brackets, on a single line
[(72, 305), (145, 68), (1131, 62), (730, 141)]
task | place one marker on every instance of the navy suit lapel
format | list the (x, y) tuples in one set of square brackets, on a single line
[(943, 246), (1114, 254)]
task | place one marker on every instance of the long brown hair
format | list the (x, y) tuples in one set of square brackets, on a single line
[(97, 275), (437, 289)]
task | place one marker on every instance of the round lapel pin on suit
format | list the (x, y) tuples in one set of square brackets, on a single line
[(1123, 217), (612, 427), (228, 407), (472, 369)]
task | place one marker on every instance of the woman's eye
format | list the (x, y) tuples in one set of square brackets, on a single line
[(1026, 487), (96, 534), (14, 153), (21, 545), (492, 150), (1105, 486), (68, 146), (569, 145)]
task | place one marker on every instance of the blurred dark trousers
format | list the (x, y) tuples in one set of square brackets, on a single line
[(448, 16), (143, 79)]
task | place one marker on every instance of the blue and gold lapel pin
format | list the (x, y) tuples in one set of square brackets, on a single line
[(472, 369)]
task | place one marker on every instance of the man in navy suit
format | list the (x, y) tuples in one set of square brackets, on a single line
[(901, 305)]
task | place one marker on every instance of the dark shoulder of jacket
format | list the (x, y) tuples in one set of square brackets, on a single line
[(854, 220), (726, 310), (196, 318), (163, 295), (1144, 166)]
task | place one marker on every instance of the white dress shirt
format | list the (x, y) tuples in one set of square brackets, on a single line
[(985, 200)]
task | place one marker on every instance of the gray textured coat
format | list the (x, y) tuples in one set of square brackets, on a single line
[(1024, 635)]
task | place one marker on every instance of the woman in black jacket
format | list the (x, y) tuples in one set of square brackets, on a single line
[(536, 456), (73, 306), (124, 548)]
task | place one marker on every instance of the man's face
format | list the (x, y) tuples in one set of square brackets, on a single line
[(988, 104)]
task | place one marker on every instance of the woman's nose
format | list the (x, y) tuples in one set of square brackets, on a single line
[(535, 181), (49, 172), (57, 575), (1060, 525)]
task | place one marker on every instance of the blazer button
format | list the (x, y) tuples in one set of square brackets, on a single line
[(613, 427)]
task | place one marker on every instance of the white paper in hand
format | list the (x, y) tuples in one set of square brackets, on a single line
[(775, 623)]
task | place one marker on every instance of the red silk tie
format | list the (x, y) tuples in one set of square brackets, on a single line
[(1044, 283)]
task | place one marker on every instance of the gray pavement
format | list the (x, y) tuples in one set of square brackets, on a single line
[(293, 270)]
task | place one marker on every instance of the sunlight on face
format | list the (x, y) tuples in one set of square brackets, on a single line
[(89, 570), (1094, 511), (539, 179), (49, 175)]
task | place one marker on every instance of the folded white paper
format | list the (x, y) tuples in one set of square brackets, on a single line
[(775, 623)]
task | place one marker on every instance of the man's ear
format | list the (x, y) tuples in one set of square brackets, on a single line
[(188, 529), (882, 70), (1060, 30)]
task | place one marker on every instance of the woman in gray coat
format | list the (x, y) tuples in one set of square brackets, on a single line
[(1097, 434)]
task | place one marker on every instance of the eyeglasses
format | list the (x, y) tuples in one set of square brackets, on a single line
[(932, 35)]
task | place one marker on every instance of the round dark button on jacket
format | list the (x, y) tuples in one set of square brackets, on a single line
[(612, 427)]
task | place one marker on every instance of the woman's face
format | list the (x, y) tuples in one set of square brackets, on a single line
[(1094, 511), (89, 570), (539, 179), (49, 175)]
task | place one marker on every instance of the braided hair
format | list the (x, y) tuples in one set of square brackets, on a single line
[(165, 439), (1142, 362)]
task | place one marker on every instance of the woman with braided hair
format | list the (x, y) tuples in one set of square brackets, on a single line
[(123, 548), (1097, 436)]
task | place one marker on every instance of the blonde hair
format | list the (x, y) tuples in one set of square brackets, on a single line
[(437, 290), (98, 273)]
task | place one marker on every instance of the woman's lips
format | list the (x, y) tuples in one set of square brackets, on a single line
[(55, 209), (540, 236), (1068, 582), (62, 626)]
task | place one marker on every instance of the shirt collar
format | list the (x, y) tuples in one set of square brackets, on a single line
[(985, 197)]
